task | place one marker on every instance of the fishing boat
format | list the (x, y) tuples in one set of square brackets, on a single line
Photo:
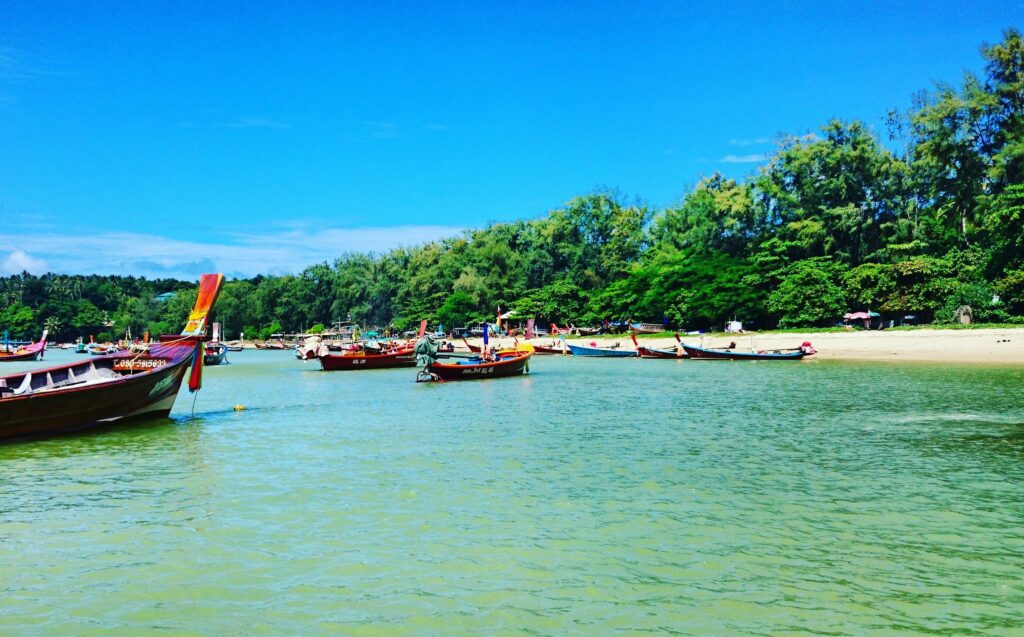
[(653, 352), (730, 354), (504, 363), (108, 389), (601, 352), (234, 346), (279, 345), (554, 348), (30, 352), (80, 347), (215, 352), (488, 364), (402, 357), (647, 328)]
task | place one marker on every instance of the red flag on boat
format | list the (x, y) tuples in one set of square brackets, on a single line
[(195, 377), (423, 327)]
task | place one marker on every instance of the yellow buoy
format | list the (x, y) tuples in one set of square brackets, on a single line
[(239, 407)]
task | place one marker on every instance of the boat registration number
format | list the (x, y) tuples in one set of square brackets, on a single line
[(130, 365)]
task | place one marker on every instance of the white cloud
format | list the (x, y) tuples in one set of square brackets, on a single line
[(744, 159), (287, 251), (19, 261)]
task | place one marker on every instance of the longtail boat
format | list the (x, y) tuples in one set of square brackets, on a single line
[(647, 328), (101, 349), (653, 352), (402, 357), (26, 353), (600, 352), (548, 350), (488, 364), (215, 354), (505, 363), (269, 345), (730, 354), (108, 389)]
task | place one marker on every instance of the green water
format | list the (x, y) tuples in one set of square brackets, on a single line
[(592, 497)]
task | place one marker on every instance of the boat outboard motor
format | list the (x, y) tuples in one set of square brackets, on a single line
[(425, 351)]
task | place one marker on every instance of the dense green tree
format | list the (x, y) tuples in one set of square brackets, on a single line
[(719, 215), (19, 321), (811, 293), (841, 196)]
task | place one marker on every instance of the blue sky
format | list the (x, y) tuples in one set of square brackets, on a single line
[(167, 139)]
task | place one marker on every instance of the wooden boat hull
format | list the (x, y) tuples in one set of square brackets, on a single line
[(547, 351), (148, 392), (699, 353), (215, 355), (513, 366), (600, 352), (29, 352), (650, 352), (260, 345), (20, 356), (335, 362), (107, 389)]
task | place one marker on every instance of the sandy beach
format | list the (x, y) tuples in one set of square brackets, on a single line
[(959, 346)]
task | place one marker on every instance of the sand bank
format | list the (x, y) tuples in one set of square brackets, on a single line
[(959, 346)]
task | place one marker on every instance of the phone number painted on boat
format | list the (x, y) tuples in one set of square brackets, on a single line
[(129, 365)]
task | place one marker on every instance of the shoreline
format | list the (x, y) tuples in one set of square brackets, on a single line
[(985, 345)]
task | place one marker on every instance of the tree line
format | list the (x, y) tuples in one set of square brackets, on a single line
[(922, 223)]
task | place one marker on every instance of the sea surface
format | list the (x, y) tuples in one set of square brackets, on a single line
[(592, 497)]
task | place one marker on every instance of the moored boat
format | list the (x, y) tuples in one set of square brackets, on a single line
[(505, 363), (554, 348), (647, 328), (30, 352), (487, 365), (101, 349), (279, 345), (402, 357), (107, 389), (795, 353), (215, 354), (593, 350), (654, 352)]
